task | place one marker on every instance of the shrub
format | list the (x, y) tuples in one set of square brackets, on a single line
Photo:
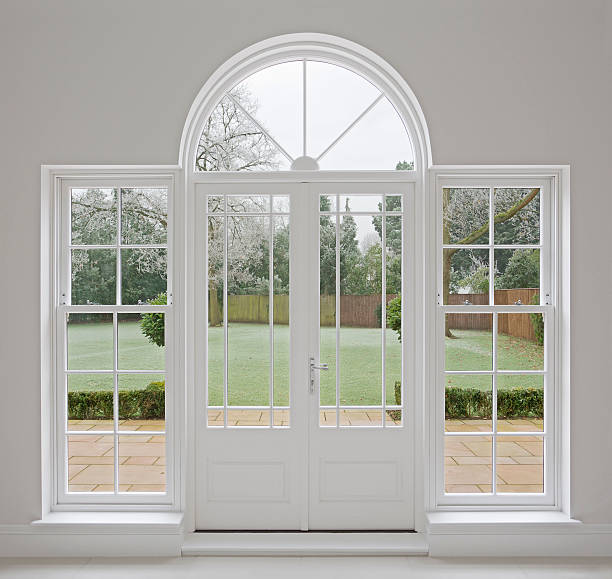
[(144, 404), (537, 321), (465, 403), (397, 414), (152, 324), (522, 270), (394, 316)]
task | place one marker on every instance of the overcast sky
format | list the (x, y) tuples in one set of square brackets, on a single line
[(335, 97)]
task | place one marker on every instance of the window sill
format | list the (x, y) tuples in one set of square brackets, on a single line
[(501, 523), (142, 523)]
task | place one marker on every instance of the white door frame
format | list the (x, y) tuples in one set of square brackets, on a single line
[(411, 400)]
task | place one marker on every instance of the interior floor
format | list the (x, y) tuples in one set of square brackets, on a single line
[(307, 567)]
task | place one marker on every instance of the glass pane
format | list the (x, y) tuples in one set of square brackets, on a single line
[(393, 332), (90, 341), (520, 342), (142, 401), (468, 464), (393, 203), (281, 311), (248, 417), (327, 417), (327, 265), (215, 417), (248, 330), (465, 215), (520, 464), (91, 462), (231, 142), (142, 463), (360, 417), (468, 403), (144, 215), (335, 97), (382, 126), (141, 342), (94, 276), (520, 403), (327, 202), (360, 329), (143, 275), (280, 204), (276, 93), (216, 243), (370, 203), (466, 276), (248, 203), (517, 216), (90, 401), (517, 276), (216, 204), (393, 418), (469, 342), (93, 215), (281, 417)]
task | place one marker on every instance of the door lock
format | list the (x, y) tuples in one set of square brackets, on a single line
[(313, 367)]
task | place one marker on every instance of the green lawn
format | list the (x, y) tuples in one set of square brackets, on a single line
[(473, 350), (90, 348)]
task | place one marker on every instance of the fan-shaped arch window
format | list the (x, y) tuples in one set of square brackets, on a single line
[(304, 114)]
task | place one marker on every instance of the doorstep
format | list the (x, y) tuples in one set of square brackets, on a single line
[(311, 543)]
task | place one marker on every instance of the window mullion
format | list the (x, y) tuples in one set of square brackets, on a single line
[(118, 245), (116, 402)]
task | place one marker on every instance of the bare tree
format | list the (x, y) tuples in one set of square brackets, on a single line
[(230, 141), (465, 221)]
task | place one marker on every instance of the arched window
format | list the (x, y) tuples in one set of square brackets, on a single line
[(304, 114)]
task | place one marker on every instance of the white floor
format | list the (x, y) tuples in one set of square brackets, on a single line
[(306, 568)]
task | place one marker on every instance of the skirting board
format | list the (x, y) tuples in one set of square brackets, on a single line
[(549, 545), (525, 533), (20, 544)]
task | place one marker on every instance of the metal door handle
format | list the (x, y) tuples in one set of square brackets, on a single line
[(313, 367)]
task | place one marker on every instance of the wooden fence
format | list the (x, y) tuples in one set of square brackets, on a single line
[(355, 311), (518, 325), (360, 311)]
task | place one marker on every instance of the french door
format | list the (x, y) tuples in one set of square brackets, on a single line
[(303, 347)]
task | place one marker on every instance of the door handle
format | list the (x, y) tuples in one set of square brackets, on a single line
[(313, 367)]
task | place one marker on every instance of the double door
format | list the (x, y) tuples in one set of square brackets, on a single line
[(303, 343)]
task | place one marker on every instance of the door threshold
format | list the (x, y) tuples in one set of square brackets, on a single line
[(312, 543)]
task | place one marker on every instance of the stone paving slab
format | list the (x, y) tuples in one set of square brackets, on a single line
[(142, 463), (468, 459)]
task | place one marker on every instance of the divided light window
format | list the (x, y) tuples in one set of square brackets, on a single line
[(496, 330), (113, 329)]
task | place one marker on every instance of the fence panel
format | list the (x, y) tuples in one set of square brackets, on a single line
[(360, 311), (518, 325)]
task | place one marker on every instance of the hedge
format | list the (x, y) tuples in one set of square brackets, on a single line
[(466, 403), (461, 403), (133, 404)]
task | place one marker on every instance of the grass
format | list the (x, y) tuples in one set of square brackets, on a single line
[(473, 350), (90, 348)]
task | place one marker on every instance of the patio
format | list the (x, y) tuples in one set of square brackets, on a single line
[(142, 458)]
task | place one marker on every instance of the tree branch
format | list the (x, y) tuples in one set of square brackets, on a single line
[(499, 218)]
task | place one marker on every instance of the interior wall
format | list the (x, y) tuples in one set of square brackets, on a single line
[(111, 82)]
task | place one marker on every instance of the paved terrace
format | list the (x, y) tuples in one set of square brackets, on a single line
[(142, 461)]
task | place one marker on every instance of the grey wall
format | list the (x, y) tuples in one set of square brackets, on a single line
[(111, 82)]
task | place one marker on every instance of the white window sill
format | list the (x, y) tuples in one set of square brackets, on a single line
[(153, 523), (500, 523)]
